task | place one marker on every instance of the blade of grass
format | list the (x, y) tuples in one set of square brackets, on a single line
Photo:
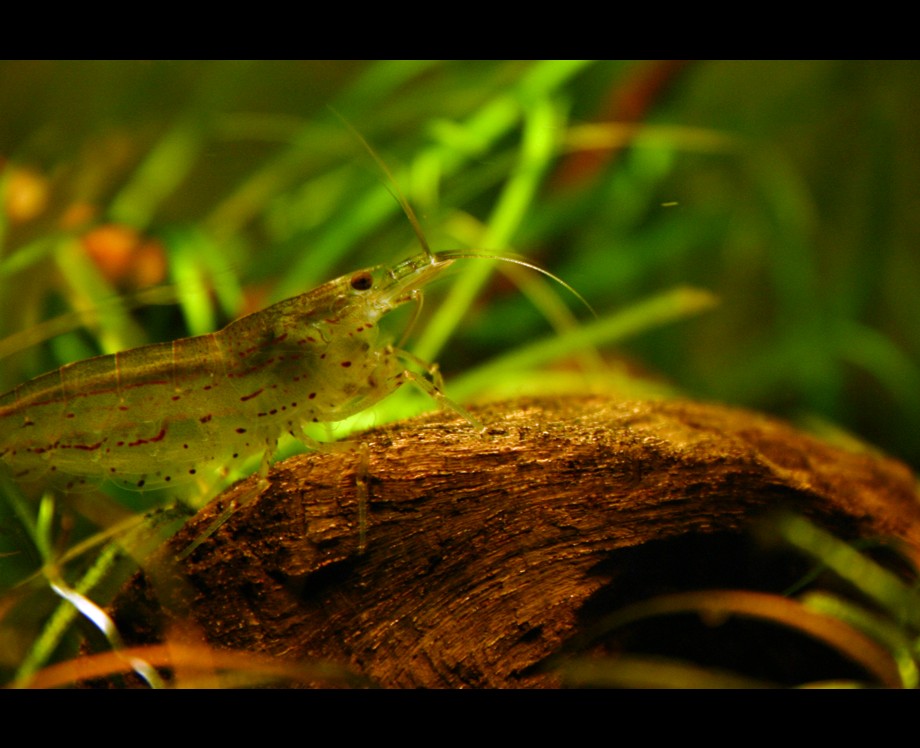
[(714, 606), (116, 330), (882, 630), (457, 144), (136, 537), (60, 621), (631, 671), (161, 173), (881, 585), (658, 310), (200, 666), (542, 123)]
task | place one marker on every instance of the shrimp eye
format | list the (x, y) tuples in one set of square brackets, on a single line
[(362, 281)]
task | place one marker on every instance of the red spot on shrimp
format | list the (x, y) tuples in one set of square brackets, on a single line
[(346, 364), (84, 447), (241, 431), (158, 437), (205, 419), (251, 395)]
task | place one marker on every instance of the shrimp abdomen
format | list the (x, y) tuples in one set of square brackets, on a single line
[(114, 416)]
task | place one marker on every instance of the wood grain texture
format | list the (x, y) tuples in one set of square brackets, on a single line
[(485, 554)]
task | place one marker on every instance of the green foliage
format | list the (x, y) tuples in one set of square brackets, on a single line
[(872, 621), (781, 189)]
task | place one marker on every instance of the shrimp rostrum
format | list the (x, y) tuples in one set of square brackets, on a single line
[(161, 414)]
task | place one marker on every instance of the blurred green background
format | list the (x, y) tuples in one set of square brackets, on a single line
[(786, 189)]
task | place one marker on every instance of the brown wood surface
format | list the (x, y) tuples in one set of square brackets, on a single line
[(485, 554)]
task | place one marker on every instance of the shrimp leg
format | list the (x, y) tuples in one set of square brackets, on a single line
[(435, 387)]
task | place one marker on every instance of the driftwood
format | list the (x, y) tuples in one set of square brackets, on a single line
[(485, 554)]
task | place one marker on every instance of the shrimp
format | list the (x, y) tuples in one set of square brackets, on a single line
[(161, 414), (167, 413), (157, 415), (174, 413)]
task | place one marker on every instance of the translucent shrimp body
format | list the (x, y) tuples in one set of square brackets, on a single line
[(163, 414)]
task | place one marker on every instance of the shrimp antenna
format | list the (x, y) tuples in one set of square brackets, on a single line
[(400, 197), (460, 254), (450, 254)]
